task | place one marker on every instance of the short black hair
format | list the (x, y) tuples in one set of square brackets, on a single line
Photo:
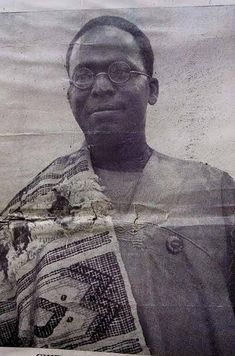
[(141, 39)]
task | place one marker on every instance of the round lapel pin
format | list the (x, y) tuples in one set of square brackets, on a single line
[(174, 244)]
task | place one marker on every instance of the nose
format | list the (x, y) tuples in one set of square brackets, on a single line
[(102, 86)]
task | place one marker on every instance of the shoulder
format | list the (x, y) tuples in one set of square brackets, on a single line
[(177, 181), (192, 173), (46, 180), (34, 195)]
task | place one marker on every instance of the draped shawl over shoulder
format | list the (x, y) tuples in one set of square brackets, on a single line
[(63, 282)]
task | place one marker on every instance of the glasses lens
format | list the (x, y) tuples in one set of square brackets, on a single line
[(83, 77), (119, 72)]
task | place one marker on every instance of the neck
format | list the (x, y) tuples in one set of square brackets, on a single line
[(128, 154)]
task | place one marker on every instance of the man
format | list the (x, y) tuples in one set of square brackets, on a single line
[(117, 247)]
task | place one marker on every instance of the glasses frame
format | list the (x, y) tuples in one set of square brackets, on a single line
[(71, 81)]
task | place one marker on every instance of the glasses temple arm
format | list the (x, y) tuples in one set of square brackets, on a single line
[(142, 73)]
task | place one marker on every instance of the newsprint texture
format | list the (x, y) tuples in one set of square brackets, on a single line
[(117, 191)]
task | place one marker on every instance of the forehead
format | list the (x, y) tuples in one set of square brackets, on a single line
[(104, 44)]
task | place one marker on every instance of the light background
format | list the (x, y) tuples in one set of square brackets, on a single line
[(194, 61)]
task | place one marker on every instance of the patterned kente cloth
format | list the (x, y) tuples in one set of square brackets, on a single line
[(63, 283)]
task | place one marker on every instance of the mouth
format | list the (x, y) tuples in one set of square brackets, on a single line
[(102, 109)]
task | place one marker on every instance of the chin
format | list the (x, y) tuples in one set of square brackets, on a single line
[(104, 138)]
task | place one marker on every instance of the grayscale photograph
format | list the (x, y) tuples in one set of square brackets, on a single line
[(117, 191)]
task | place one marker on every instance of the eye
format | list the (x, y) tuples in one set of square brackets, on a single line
[(119, 72), (82, 74), (83, 77)]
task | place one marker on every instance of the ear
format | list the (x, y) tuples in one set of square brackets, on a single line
[(154, 90)]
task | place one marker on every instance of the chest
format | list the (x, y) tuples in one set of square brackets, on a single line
[(175, 264)]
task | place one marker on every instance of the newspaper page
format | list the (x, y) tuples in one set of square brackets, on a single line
[(117, 178)]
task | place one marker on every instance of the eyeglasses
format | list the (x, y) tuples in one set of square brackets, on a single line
[(118, 73)]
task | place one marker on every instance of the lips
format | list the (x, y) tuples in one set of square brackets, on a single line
[(102, 108)]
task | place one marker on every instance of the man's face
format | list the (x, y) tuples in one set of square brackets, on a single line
[(109, 111)]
